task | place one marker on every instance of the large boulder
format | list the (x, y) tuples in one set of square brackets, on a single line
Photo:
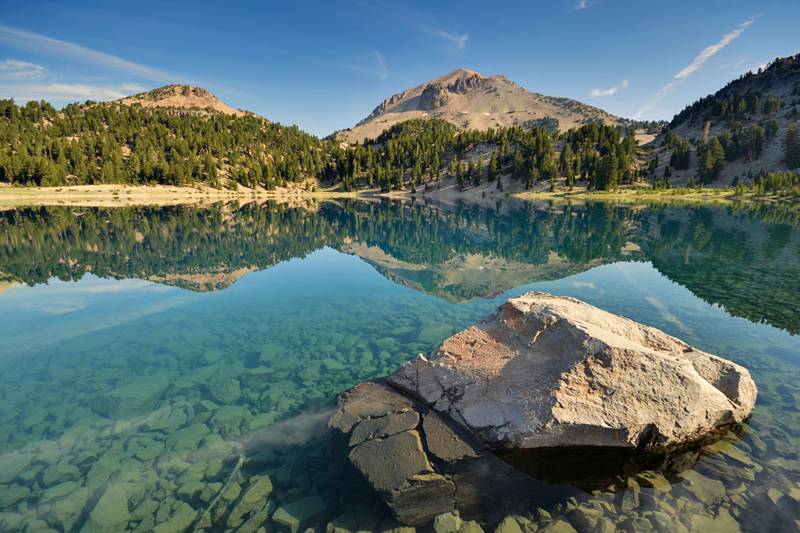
[(547, 371)]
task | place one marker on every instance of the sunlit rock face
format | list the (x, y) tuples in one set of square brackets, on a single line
[(547, 371), (566, 394)]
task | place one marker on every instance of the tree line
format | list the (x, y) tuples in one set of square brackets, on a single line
[(96, 143), (110, 143)]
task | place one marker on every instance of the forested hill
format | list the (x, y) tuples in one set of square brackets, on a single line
[(745, 130), (138, 141), (179, 135)]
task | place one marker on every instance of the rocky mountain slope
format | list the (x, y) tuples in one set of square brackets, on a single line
[(181, 97), (749, 117), (471, 100)]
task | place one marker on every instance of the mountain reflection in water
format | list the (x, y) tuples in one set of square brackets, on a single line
[(745, 260)]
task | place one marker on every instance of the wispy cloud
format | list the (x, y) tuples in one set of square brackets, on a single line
[(611, 91), (26, 81), (581, 5), (36, 43), (696, 64), (710, 51), (67, 92), (377, 67), (374, 66), (13, 69), (382, 70), (457, 40)]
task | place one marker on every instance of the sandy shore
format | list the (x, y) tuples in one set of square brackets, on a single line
[(113, 195), (648, 195), (141, 195), (200, 195)]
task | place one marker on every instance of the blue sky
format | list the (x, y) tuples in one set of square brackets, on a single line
[(325, 65)]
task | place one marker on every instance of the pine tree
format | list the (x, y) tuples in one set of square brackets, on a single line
[(474, 173), (210, 169), (566, 159), (712, 159), (492, 171), (518, 164), (792, 147)]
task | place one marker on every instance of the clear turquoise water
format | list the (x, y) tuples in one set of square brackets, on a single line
[(149, 398)]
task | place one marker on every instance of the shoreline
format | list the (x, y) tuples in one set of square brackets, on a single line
[(149, 195), (716, 196), (202, 195)]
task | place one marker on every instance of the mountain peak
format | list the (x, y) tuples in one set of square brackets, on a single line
[(462, 72), (471, 100), (177, 96)]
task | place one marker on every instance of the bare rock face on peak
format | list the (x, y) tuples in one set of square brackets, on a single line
[(185, 97), (471, 100), (547, 371)]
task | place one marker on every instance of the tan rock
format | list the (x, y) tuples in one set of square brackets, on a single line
[(547, 371)]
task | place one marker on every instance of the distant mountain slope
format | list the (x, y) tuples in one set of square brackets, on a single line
[(180, 97), (749, 117), (471, 100)]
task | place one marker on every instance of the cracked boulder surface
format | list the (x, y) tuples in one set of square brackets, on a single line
[(424, 465), (546, 371)]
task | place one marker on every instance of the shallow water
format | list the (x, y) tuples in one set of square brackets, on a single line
[(157, 363)]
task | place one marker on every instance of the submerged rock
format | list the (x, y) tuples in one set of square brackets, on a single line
[(110, 513), (547, 371), (300, 513), (421, 464), (137, 396), (13, 464), (389, 452)]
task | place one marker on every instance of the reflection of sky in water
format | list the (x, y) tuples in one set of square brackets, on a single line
[(256, 366), (43, 314)]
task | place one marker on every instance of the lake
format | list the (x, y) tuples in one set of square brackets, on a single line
[(157, 363)]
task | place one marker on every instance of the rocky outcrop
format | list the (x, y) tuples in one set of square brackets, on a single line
[(547, 371), (466, 84), (433, 97), (562, 391), (185, 97)]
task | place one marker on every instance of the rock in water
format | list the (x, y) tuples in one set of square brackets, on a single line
[(547, 371), (423, 465), (567, 392), (392, 457), (110, 513)]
